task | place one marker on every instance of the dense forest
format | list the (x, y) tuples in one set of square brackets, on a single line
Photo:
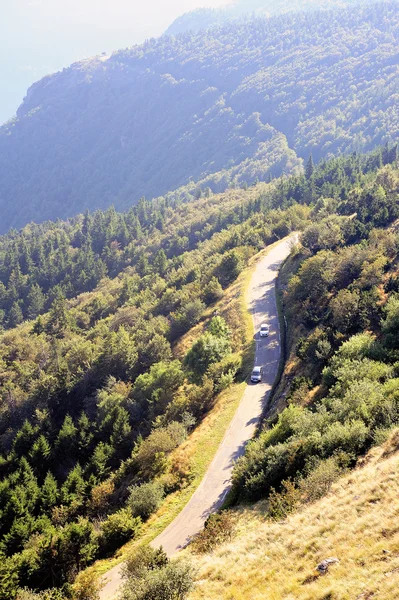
[(244, 101), (341, 379), (43, 262), (94, 395), (203, 18)]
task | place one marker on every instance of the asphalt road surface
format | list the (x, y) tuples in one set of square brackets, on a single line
[(216, 484)]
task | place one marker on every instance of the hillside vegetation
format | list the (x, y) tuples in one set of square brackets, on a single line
[(203, 18), (214, 109), (341, 379), (329, 491), (63, 259), (99, 390), (356, 523)]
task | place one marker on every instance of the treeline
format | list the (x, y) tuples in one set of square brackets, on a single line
[(204, 18), (342, 303), (43, 262)]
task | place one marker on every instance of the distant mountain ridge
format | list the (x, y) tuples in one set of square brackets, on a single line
[(203, 18), (244, 101)]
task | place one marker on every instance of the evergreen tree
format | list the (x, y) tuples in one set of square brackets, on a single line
[(160, 262), (310, 168), (15, 316), (35, 301), (49, 493), (40, 454), (59, 317)]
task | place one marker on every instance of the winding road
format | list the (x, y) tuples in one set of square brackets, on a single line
[(216, 484)]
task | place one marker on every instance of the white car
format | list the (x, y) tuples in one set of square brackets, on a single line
[(264, 330), (257, 374)]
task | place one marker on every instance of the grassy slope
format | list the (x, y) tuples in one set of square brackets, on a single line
[(201, 446), (357, 523)]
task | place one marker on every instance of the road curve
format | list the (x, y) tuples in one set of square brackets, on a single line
[(213, 489)]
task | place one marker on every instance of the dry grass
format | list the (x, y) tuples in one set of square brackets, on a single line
[(358, 522)]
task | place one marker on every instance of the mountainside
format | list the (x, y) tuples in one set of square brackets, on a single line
[(244, 101), (277, 559), (99, 392), (204, 18)]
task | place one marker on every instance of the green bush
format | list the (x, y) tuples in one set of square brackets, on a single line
[(224, 372), (319, 481), (144, 499), (212, 292), (118, 529), (142, 560), (284, 502), (152, 453), (53, 594), (174, 581), (219, 328), (206, 351)]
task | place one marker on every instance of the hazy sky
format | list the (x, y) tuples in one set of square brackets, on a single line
[(38, 37)]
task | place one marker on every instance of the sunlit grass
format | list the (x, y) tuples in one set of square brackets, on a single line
[(358, 522)]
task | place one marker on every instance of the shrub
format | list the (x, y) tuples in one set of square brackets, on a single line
[(143, 560), (348, 437), (87, 586), (213, 291), (155, 389), (174, 581), (230, 267), (224, 372), (70, 550), (144, 499), (194, 398), (319, 481), (284, 502), (218, 327), (188, 316), (118, 529), (53, 594), (218, 528), (100, 498), (152, 453), (206, 351)]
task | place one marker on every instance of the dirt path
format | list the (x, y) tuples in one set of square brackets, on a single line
[(214, 487)]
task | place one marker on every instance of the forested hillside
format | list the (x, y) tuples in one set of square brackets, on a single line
[(63, 259), (324, 465), (203, 18), (243, 101), (341, 378), (96, 393)]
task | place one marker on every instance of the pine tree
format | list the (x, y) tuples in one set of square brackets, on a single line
[(15, 316), (160, 262), (66, 442), (60, 319), (310, 168), (40, 453), (393, 154), (49, 493), (35, 301)]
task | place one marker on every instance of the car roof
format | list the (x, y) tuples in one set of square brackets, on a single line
[(257, 369), (264, 325)]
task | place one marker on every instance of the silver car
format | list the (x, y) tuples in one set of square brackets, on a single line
[(264, 330), (256, 376)]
